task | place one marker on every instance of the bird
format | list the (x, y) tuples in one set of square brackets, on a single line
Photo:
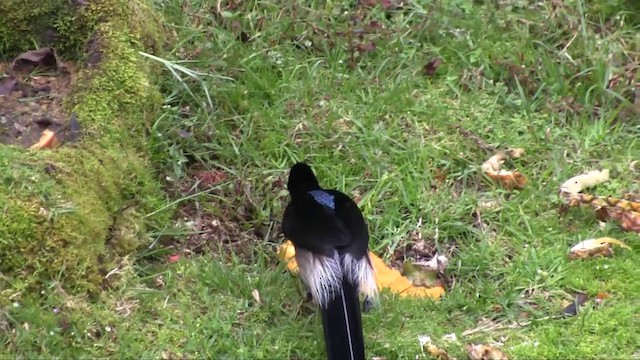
[(331, 239)]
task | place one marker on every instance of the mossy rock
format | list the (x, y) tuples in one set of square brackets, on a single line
[(70, 214), (68, 24)]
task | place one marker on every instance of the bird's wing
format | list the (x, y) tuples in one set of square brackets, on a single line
[(315, 227), (351, 219)]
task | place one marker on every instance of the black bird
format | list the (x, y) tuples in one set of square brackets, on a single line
[(331, 240)]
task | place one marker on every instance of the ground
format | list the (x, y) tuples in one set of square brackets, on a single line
[(33, 104), (398, 104), (70, 214)]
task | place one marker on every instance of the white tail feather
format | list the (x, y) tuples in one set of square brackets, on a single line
[(321, 274), (361, 272)]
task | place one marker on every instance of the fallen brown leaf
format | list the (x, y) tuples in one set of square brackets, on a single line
[(30, 60), (440, 175), (437, 352), (594, 248), (508, 179), (485, 352), (600, 297), (495, 162), (515, 153), (159, 282), (602, 214), (209, 178), (630, 221), (432, 66), (48, 140)]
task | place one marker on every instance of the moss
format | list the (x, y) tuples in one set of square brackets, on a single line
[(28, 23), (71, 213), (141, 22), (119, 88), (68, 214), (66, 25)]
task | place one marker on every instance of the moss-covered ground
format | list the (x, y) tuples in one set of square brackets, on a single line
[(357, 93), (71, 213)]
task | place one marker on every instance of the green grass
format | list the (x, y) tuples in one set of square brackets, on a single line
[(375, 124)]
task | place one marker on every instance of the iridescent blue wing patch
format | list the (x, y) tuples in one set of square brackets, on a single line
[(324, 198)]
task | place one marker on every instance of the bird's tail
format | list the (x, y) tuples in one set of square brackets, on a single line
[(335, 284), (342, 323)]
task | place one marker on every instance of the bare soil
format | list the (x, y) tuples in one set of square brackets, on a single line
[(32, 92)]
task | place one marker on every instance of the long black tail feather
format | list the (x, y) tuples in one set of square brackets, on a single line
[(342, 323)]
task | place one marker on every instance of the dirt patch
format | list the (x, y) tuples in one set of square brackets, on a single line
[(32, 90), (213, 234), (225, 226)]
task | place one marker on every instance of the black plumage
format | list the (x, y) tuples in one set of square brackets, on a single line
[(331, 240)]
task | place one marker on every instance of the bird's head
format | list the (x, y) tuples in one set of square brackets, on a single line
[(301, 179)]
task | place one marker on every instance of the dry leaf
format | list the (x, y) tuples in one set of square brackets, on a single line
[(30, 60), (159, 281), (386, 277), (630, 221), (635, 197), (256, 296), (432, 66), (495, 162), (48, 140), (626, 212), (427, 344), (485, 352), (508, 179), (437, 352), (595, 247), (515, 153), (601, 297), (627, 203), (578, 183), (440, 176)]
